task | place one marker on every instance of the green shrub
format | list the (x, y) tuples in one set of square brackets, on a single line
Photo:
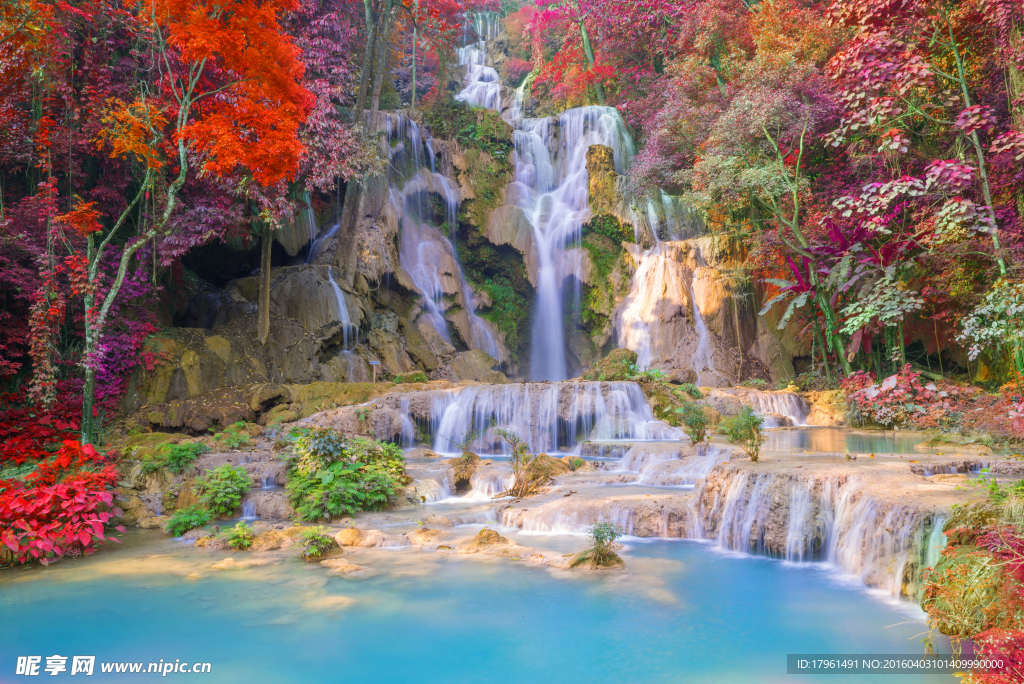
[(575, 463), (690, 389), (745, 429), (180, 458), (221, 490), (318, 542), (241, 536), (332, 476), (151, 464), (695, 422), (185, 519), (755, 383)]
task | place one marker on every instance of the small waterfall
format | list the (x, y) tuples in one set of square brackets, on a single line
[(483, 87), (799, 528), (702, 357), (343, 316), (432, 483), (408, 434), (318, 242), (783, 403), (249, 508), (935, 543), (547, 416), (686, 472), (486, 483), (269, 481)]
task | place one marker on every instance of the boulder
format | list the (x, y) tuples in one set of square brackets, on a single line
[(613, 367), (423, 536), (478, 366), (681, 376), (484, 539), (339, 566), (352, 536)]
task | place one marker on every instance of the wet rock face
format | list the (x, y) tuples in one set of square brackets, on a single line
[(602, 179)]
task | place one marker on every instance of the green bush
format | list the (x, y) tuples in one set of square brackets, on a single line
[(745, 429), (241, 536), (221, 490), (318, 542), (180, 458), (689, 389), (332, 476), (695, 423), (575, 463), (151, 464), (755, 383), (650, 375), (185, 519)]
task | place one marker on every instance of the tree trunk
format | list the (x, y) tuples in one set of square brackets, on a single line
[(589, 52), (364, 79), (263, 320), (412, 95), (383, 49)]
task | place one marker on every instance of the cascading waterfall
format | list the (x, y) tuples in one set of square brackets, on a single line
[(483, 87), (429, 257), (783, 403), (552, 189), (550, 417)]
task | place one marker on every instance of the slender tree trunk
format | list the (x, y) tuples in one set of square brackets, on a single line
[(364, 79), (824, 352), (263, 320), (382, 60), (412, 95), (588, 51)]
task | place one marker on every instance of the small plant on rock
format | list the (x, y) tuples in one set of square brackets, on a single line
[(526, 480), (745, 429), (695, 422), (576, 463), (601, 553), (221, 490), (241, 537), (318, 542), (185, 519)]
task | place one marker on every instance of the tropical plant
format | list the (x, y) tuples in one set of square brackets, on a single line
[(694, 420), (689, 389), (744, 429), (526, 479), (221, 489), (180, 458), (317, 542), (998, 323), (601, 552), (332, 476), (240, 536), (185, 519)]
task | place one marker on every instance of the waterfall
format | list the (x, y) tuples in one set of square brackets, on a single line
[(783, 403), (935, 543), (343, 316), (269, 480), (549, 416), (552, 183), (318, 242), (483, 87), (249, 508), (799, 527), (428, 256)]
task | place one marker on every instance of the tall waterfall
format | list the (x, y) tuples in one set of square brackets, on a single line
[(552, 188)]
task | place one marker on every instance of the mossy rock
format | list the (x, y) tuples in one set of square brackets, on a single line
[(609, 560), (154, 439), (614, 367)]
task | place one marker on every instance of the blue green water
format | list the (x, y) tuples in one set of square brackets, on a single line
[(682, 613)]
